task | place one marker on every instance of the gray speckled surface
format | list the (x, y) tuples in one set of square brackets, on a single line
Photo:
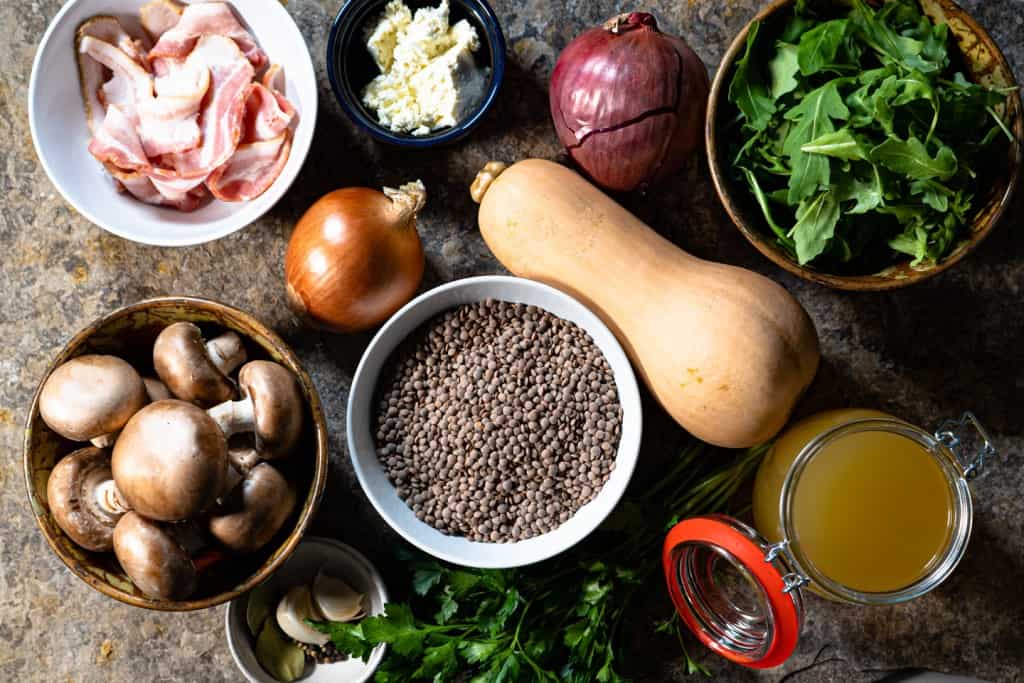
[(955, 342)]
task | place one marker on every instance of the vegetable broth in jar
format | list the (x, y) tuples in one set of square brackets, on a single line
[(856, 505), (873, 510)]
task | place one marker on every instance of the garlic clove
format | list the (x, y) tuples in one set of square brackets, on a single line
[(292, 612), (336, 600)]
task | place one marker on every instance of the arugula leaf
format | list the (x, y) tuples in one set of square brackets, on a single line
[(819, 46), (748, 90), (762, 201), (813, 118), (867, 194), (910, 158), (816, 223), (883, 38), (841, 144), (783, 68)]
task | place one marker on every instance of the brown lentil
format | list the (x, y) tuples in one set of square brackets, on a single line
[(497, 421)]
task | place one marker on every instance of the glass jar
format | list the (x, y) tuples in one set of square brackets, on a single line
[(857, 505)]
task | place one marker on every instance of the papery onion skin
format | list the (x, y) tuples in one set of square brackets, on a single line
[(628, 102), (355, 257)]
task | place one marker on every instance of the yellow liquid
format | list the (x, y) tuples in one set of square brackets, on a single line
[(872, 511)]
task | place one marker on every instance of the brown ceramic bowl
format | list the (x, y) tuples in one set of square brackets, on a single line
[(129, 332), (985, 64)]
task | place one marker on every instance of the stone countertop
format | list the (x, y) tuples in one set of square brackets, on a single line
[(926, 353)]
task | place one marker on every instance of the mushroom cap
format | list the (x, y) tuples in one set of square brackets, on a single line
[(90, 396), (277, 406), (171, 461), (152, 558), (254, 511), (70, 493), (181, 361)]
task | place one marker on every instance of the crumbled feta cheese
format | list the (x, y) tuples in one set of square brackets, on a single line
[(429, 79)]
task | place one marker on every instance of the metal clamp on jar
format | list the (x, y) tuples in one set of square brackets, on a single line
[(856, 505)]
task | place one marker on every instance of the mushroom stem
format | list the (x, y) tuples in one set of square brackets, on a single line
[(104, 440), (226, 352), (244, 459), (234, 417), (109, 500)]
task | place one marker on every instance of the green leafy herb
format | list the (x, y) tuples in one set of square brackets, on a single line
[(748, 89), (859, 141), (559, 621)]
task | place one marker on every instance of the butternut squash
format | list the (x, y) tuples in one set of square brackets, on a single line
[(727, 352)]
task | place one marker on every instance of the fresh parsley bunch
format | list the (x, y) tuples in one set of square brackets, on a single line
[(859, 137), (560, 620)]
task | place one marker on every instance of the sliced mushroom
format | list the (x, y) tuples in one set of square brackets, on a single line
[(292, 612), (171, 461), (83, 499), (271, 408), (156, 390), (194, 370), (254, 511), (91, 397), (153, 558)]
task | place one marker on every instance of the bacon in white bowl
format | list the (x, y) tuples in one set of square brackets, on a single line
[(200, 110)]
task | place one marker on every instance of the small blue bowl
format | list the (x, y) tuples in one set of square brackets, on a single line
[(350, 66)]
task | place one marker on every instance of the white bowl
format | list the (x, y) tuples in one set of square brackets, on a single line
[(382, 494), (311, 554), (61, 135)]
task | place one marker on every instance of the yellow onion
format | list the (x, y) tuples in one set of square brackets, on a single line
[(355, 257), (628, 102)]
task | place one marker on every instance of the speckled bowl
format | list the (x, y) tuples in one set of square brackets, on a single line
[(129, 332), (985, 64)]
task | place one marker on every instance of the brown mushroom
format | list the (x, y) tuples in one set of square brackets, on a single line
[(170, 462), (254, 511), (155, 558), (91, 397), (83, 499), (194, 370), (271, 408)]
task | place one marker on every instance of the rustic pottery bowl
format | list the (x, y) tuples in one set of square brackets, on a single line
[(985, 64), (129, 332), (61, 135), (362, 448)]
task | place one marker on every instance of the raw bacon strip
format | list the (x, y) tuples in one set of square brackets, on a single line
[(169, 123), (220, 118), (137, 80), (207, 18), (252, 169), (273, 78), (171, 185), (160, 16), (143, 189), (92, 73), (267, 114), (117, 141)]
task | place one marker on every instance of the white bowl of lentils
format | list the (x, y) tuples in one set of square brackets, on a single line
[(494, 422)]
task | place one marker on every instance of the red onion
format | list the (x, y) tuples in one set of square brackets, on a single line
[(628, 102)]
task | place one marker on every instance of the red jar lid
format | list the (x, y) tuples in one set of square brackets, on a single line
[(734, 590)]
